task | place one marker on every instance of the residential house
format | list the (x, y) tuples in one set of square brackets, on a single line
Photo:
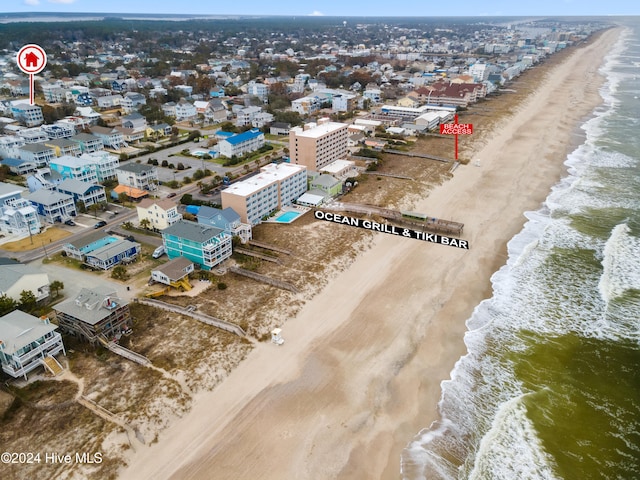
[(106, 164), (344, 102), (279, 128), (85, 192), (37, 153), (242, 143), (64, 146), (227, 219), (138, 175), (259, 90), (174, 272), (88, 143), (32, 135), (17, 215), (158, 131), (134, 121), (159, 213), (18, 166), (275, 186), (207, 246), (215, 112), (17, 278), (131, 135), (109, 101), (244, 115), (58, 131), (10, 146), (75, 167), (110, 137), (307, 105), (27, 114), (324, 184), (132, 101), (27, 342), (53, 206), (95, 314), (185, 111), (112, 254), (43, 178)]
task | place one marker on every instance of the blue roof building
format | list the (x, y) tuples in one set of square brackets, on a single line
[(242, 143)]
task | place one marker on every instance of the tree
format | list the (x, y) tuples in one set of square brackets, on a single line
[(145, 223), (7, 304), (27, 301), (56, 286), (119, 273)]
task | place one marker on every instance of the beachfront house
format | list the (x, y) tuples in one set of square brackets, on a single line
[(27, 342), (207, 246), (103, 251), (16, 278), (94, 314), (227, 219), (174, 273)]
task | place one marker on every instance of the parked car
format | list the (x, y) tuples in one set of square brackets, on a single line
[(69, 222), (100, 224), (158, 252), (171, 195)]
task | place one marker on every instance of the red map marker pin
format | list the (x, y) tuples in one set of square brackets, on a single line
[(31, 59)]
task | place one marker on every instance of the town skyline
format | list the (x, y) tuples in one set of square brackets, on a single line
[(334, 8)]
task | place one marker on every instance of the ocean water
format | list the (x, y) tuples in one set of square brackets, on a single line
[(550, 386)]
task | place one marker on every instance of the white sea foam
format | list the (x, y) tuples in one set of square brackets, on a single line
[(511, 448), (621, 264)]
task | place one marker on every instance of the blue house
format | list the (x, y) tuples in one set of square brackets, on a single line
[(227, 220), (216, 92), (202, 244)]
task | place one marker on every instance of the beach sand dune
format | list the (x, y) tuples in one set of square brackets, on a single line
[(359, 374)]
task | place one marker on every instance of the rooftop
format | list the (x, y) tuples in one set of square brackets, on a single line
[(91, 305), (268, 175), (192, 231), (19, 329)]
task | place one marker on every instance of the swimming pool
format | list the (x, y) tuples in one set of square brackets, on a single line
[(287, 217)]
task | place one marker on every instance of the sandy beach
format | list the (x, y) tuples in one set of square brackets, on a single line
[(359, 374)]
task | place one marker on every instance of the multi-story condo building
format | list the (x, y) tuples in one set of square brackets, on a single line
[(275, 186), (53, 206), (17, 215), (27, 342), (242, 143), (138, 175), (317, 145), (33, 135), (207, 246), (159, 213), (75, 167), (28, 115)]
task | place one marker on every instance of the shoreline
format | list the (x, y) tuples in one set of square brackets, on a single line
[(361, 369)]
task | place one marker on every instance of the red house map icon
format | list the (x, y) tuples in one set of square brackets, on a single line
[(31, 59)]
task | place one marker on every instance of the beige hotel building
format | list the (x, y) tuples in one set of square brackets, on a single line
[(317, 145), (275, 186)]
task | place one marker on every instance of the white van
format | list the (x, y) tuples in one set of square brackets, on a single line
[(158, 252)]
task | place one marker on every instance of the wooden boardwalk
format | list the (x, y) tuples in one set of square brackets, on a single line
[(416, 155), (430, 224)]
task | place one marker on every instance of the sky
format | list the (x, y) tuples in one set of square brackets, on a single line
[(337, 8)]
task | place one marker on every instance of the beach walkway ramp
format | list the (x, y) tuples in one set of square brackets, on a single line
[(125, 352), (201, 317)]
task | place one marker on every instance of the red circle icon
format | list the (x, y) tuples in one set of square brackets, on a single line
[(31, 59)]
